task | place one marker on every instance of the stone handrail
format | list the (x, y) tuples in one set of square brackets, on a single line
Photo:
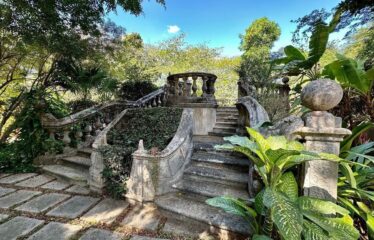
[(83, 125), (154, 99), (154, 174)]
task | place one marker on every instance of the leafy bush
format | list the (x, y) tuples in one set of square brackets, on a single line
[(134, 89), (156, 126), (79, 105), (31, 139), (279, 203)]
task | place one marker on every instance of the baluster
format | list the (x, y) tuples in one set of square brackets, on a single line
[(87, 132), (164, 98), (185, 89), (188, 89), (176, 86), (194, 86), (66, 139), (154, 103), (204, 88), (180, 84), (212, 90), (159, 102), (52, 134)]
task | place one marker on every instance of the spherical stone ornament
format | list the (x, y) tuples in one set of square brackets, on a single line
[(321, 95)]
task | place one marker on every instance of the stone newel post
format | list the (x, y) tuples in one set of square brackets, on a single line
[(322, 133)]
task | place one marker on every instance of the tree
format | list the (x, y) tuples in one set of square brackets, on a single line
[(256, 43)]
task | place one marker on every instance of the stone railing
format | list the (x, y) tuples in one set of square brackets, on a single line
[(184, 88), (154, 174), (82, 126), (154, 99)]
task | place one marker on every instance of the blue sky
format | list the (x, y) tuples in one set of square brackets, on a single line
[(217, 23)]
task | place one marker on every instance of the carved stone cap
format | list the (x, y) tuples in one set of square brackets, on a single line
[(321, 95), (324, 134)]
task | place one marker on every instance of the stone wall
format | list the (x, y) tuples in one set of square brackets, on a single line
[(154, 175)]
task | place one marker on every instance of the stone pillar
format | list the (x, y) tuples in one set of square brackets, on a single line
[(322, 133)]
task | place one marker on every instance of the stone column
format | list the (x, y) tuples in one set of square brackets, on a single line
[(322, 133)]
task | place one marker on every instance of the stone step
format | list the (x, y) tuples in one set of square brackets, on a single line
[(210, 189), (213, 158), (66, 173), (221, 133), (227, 109), (78, 160), (226, 124), (225, 175), (227, 115), (232, 120), (208, 139), (186, 205), (224, 129), (85, 152)]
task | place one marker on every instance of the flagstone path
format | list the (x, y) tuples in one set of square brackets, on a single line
[(39, 207)]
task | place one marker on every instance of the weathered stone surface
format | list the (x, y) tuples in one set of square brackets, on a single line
[(35, 181), (78, 189), (142, 217), (43, 202), (16, 178), (106, 211), (73, 207), (145, 238), (187, 227), (16, 198), (56, 231), (4, 191), (3, 217), (321, 95), (99, 234), (56, 185), (18, 227), (4, 175)]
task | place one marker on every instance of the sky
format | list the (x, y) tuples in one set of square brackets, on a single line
[(216, 23)]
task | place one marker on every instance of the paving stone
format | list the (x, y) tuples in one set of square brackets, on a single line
[(106, 211), (99, 234), (35, 181), (142, 217), (4, 175), (4, 191), (78, 189), (3, 217), (73, 207), (43, 202), (56, 231), (18, 227), (185, 227), (145, 238), (56, 185), (16, 198), (16, 178)]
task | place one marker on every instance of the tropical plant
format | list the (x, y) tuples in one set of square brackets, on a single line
[(279, 203), (351, 74), (356, 185)]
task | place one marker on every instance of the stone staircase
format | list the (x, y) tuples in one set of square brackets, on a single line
[(73, 169), (226, 122), (211, 173)]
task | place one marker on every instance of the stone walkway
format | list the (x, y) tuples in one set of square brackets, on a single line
[(40, 207)]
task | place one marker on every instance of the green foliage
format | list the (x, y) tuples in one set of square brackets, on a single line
[(279, 203), (155, 126), (134, 90)]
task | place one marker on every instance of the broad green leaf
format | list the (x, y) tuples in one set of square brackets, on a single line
[(261, 237), (277, 142), (259, 205), (259, 162), (293, 53), (348, 173), (259, 139), (241, 141), (284, 213), (340, 228), (275, 155), (310, 204), (317, 44), (232, 205), (288, 186), (312, 231)]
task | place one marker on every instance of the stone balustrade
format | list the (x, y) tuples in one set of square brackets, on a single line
[(184, 88), (155, 99), (82, 126)]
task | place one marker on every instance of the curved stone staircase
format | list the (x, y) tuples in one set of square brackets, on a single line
[(211, 173)]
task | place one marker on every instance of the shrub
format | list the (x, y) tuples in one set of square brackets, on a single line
[(79, 105), (156, 126), (133, 90)]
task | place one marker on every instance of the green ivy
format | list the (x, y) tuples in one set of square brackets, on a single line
[(156, 126)]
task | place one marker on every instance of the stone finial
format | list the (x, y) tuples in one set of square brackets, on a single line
[(141, 146), (321, 95)]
